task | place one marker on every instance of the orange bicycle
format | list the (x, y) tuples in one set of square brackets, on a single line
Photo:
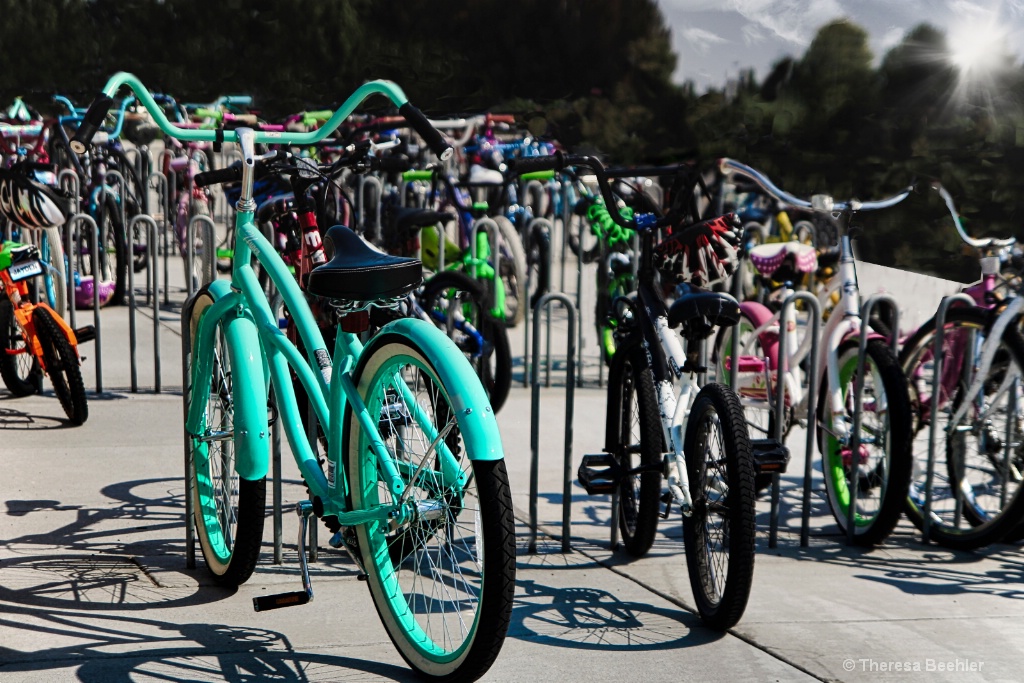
[(34, 338)]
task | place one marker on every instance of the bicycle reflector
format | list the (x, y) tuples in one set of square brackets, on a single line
[(30, 203)]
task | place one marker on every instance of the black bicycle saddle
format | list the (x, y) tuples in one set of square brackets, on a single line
[(358, 272), (700, 311)]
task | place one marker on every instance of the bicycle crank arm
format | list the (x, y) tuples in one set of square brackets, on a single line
[(269, 602)]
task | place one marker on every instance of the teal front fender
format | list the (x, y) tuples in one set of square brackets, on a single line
[(476, 420), (251, 434)]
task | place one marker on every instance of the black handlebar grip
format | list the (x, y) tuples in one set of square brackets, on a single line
[(91, 123), (394, 164), (438, 145), (552, 162), (222, 175)]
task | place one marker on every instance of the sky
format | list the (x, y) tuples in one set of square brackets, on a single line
[(715, 39)]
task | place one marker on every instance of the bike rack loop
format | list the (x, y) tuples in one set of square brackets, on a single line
[(544, 304), (276, 303), (152, 279), (858, 391), (542, 223), (209, 245), (373, 184), (186, 387), (97, 342), (161, 187), (937, 359), (73, 187), (170, 221), (780, 407)]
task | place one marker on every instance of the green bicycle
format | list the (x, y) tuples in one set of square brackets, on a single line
[(415, 479)]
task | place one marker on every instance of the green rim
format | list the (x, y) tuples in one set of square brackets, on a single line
[(430, 610), (835, 471)]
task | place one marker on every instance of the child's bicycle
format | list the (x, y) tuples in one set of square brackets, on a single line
[(34, 339), (697, 438), (415, 477), (873, 482)]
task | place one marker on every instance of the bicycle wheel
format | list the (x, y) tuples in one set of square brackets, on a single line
[(633, 409), (442, 580), (62, 365), (719, 535), (975, 498), (884, 461), (455, 303), (229, 510), (512, 270), (18, 367)]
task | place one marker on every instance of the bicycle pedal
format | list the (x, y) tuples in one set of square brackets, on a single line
[(666, 498), (770, 456), (599, 473), (85, 333), (265, 603)]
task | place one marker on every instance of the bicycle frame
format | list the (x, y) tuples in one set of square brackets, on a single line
[(241, 303)]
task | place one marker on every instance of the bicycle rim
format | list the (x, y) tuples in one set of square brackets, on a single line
[(442, 580)]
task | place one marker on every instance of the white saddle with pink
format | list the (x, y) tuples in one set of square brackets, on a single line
[(768, 258)]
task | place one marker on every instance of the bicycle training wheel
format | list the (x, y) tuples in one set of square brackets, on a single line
[(640, 446), (442, 579), (884, 461), (975, 498), (455, 303), (719, 535), (62, 365), (18, 367), (229, 510)]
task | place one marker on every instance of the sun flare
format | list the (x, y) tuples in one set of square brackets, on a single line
[(977, 48)]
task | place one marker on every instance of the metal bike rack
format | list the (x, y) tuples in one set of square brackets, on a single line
[(780, 407), (161, 188), (276, 303), (543, 223), (937, 361), (209, 240), (152, 280), (858, 389), (67, 180), (170, 220), (97, 342), (373, 184), (186, 388), (544, 304)]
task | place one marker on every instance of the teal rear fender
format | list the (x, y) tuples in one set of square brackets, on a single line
[(248, 379), (476, 420)]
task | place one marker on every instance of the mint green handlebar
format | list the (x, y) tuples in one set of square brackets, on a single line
[(363, 92)]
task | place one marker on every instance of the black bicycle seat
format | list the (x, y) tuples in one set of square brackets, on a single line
[(358, 272), (700, 311)]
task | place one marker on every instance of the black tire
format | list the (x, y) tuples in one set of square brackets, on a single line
[(20, 371), (455, 303), (640, 444), (886, 462), (538, 260), (62, 366), (975, 467), (719, 535), (231, 534), (442, 584)]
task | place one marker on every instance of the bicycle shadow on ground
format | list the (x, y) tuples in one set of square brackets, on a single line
[(112, 649), (11, 418), (585, 618)]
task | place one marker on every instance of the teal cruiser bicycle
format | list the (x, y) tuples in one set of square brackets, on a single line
[(414, 481)]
